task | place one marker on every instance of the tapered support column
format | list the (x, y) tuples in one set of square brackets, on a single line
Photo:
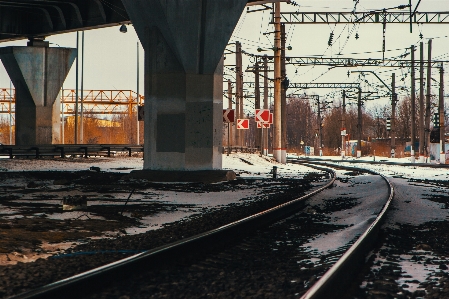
[(183, 113), (184, 42), (37, 74)]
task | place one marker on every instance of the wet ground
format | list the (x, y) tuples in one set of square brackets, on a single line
[(117, 216), (34, 224), (412, 260), (124, 216)]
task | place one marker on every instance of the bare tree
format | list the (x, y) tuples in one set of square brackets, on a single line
[(301, 123)]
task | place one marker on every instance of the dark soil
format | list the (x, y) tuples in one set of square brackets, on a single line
[(32, 191)]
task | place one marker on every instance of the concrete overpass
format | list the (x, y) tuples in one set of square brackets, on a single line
[(36, 19), (183, 41)]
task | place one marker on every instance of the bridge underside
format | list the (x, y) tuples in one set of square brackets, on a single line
[(183, 41), (23, 19)]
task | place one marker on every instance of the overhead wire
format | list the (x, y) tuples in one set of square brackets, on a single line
[(403, 73)]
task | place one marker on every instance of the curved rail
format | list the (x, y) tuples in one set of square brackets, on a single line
[(72, 286), (333, 283)]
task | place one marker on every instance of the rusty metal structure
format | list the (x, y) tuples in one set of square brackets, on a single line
[(7, 101), (94, 101), (102, 101)]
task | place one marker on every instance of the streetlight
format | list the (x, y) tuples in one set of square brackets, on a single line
[(123, 29), (137, 99)]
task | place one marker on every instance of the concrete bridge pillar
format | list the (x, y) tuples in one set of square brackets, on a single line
[(184, 42), (37, 73)]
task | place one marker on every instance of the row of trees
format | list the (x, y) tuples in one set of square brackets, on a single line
[(302, 125), (118, 129)]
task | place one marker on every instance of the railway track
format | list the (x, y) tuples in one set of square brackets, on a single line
[(64, 150), (267, 253)]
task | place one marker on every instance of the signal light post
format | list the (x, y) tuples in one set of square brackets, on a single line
[(343, 130), (441, 118), (393, 116)]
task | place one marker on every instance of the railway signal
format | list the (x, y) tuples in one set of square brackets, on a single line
[(243, 124), (262, 115), (141, 113), (228, 115), (436, 120), (261, 125)]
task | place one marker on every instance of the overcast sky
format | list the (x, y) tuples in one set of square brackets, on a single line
[(110, 56)]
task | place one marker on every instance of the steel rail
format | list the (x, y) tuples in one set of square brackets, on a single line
[(87, 281), (380, 161), (334, 282)]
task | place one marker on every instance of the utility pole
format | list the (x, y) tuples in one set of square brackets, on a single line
[(230, 135), (413, 106), (238, 90), (359, 123), (393, 115), (441, 115), (283, 99), (319, 125), (257, 103), (421, 102), (76, 92), (137, 99), (10, 112), (277, 118), (265, 103), (343, 119), (82, 90), (429, 85)]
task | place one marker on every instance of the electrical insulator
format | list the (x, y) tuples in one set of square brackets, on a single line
[(421, 36), (388, 124), (395, 97), (285, 83), (331, 37), (357, 36)]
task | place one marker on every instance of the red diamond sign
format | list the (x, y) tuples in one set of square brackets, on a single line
[(242, 124), (263, 115), (228, 115), (262, 125)]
